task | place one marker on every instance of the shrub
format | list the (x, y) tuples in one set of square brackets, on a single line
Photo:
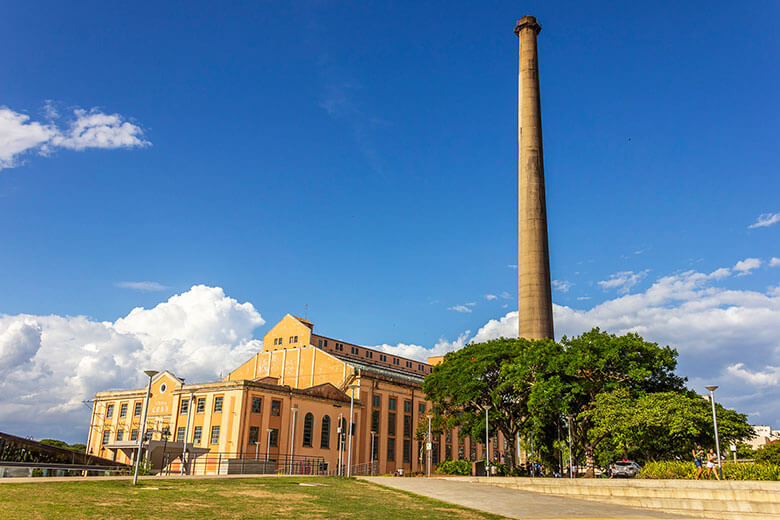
[(677, 469), (454, 467), (769, 454)]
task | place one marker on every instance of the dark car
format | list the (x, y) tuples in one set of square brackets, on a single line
[(624, 468)]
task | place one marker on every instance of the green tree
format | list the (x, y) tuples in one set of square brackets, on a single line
[(658, 425), (471, 379)]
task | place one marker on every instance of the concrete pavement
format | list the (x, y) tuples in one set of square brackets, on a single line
[(514, 503)]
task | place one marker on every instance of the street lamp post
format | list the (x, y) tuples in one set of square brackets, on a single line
[(268, 444), (257, 449), (373, 433), (142, 426), (294, 411), (349, 434), (487, 440), (571, 468), (166, 432), (712, 389), (339, 436), (429, 444), (185, 451)]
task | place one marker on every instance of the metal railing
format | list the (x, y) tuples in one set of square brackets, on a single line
[(232, 463), (48, 469)]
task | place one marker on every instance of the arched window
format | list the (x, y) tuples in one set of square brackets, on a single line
[(325, 433), (308, 428)]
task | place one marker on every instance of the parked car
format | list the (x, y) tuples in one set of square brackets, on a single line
[(624, 468)]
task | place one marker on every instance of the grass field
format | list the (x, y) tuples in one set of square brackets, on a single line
[(328, 498)]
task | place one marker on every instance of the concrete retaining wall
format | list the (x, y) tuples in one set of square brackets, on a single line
[(727, 500)]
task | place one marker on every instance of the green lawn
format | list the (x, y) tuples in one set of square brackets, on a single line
[(332, 498)]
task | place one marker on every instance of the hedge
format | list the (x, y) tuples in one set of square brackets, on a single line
[(454, 467), (686, 470)]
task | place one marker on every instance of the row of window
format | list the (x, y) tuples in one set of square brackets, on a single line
[(370, 355), (123, 410), (280, 341), (392, 403)]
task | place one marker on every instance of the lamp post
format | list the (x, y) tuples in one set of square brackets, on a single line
[(185, 451), (166, 432), (487, 440), (294, 411), (373, 433), (429, 444), (349, 434), (142, 427), (268, 444), (340, 436), (571, 468), (712, 389), (257, 449)]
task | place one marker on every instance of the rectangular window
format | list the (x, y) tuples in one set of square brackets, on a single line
[(375, 421), (196, 434), (291, 339), (120, 434), (257, 404), (448, 452), (123, 410), (407, 455), (218, 404), (391, 403), (185, 406), (376, 447), (274, 442), (106, 435), (448, 435), (407, 425), (396, 361), (134, 435), (407, 407), (215, 435), (391, 424), (254, 433), (325, 343), (355, 350), (435, 453), (461, 452), (200, 405), (319, 343), (391, 450), (295, 340), (137, 410), (276, 408), (110, 411), (377, 400), (408, 364), (382, 357), (180, 434), (325, 434), (421, 408)]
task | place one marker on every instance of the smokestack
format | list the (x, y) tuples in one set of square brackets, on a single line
[(534, 295)]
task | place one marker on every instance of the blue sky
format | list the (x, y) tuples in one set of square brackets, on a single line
[(360, 158)]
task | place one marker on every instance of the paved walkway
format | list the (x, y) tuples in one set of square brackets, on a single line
[(514, 503)]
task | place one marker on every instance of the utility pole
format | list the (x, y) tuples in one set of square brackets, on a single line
[(142, 426)]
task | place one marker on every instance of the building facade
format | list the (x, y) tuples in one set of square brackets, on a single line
[(286, 408)]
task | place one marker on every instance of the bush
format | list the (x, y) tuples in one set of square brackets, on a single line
[(454, 467), (677, 469), (769, 454)]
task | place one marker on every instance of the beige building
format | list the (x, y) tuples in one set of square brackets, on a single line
[(284, 405)]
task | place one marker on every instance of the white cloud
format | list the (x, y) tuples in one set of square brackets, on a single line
[(142, 286), (466, 307), (18, 134), (87, 129), (769, 377), (765, 220), (491, 297), (774, 262), (623, 281), (505, 295), (421, 353), (562, 285), (512, 266), (50, 364), (744, 267)]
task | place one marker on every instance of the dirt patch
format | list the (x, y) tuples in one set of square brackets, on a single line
[(260, 493)]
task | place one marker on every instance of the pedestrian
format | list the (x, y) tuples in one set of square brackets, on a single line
[(711, 464), (698, 460)]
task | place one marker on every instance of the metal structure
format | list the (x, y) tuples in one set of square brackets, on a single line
[(712, 389)]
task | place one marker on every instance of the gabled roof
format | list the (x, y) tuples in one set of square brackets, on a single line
[(304, 321), (324, 391)]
